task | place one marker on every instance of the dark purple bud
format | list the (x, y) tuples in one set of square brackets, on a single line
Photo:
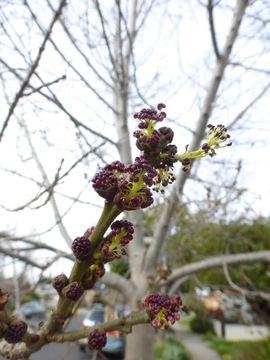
[(81, 248), (59, 282), (73, 291), (167, 135), (205, 147), (184, 308), (161, 106), (15, 332), (97, 340), (186, 162)]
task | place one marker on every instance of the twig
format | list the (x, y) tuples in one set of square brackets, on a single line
[(245, 292), (210, 9), (33, 68)]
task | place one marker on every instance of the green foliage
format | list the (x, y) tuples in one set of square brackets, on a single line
[(201, 325), (169, 349), (197, 236), (120, 267), (241, 350)]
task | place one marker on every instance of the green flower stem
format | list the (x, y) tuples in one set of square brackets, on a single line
[(64, 305), (110, 212), (190, 155)]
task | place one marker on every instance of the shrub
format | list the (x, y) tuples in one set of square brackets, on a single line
[(201, 325)]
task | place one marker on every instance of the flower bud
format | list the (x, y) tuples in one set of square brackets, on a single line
[(15, 332), (73, 291), (59, 282), (97, 340), (81, 248)]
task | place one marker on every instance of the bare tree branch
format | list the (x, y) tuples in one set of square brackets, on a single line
[(161, 231), (245, 292), (218, 261), (118, 283), (210, 9), (58, 103), (53, 184), (33, 67)]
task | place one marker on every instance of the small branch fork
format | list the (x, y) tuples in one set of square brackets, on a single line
[(123, 324), (33, 68), (245, 292)]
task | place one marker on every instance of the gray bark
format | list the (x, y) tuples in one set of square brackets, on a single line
[(217, 261)]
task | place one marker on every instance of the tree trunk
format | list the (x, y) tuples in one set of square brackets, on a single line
[(140, 343)]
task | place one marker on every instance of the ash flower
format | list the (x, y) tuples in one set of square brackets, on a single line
[(114, 245), (150, 140), (217, 137), (105, 181), (133, 187), (163, 309)]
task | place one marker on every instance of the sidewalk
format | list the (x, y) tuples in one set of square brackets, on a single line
[(196, 347)]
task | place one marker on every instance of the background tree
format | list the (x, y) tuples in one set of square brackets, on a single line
[(70, 88)]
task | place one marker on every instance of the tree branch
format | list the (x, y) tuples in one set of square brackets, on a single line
[(118, 283), (218, 261), (124, 324), (245, 292), (210, 9), (161, 231), (33, 67)]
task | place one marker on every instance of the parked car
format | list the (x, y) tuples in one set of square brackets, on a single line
[(33, 309), (115, 339)]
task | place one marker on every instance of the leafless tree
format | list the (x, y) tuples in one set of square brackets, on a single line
[(76, 83)]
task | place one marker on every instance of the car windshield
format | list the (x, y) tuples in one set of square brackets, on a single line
[(32, 305), (96, 316)]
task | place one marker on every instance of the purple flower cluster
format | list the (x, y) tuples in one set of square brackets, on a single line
[(153, 142), (105, 181), (151, 114), (130, 186), (81, 248), (73, 291), (97, 340), (114, 245), (163, 309), (15, 332)]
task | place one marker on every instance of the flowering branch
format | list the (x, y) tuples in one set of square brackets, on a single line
[(124, 187)]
